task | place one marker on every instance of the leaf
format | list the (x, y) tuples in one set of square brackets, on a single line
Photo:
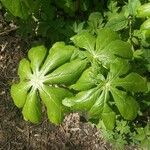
[(144, 10), (19, 93), (133, 6), (24, 70), (120, 49), (115, 49), (67, 73), (84, 40), (58, 55), (32, 109), (36, 56), (52, 98), (103, 39), (146, 25), (118, 68), (103, 48), (117, 22), (17, 8), (95, 21), (33, 75), (127, 105), (83, 100), (85, 82), (109, 117), (132, 82), (98, 106)]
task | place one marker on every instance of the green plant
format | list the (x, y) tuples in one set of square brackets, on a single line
[(107, 73), (103, 73), (142, 135), (118, 136), (33, 73)]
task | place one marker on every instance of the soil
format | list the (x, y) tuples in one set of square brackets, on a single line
[(17, 134)]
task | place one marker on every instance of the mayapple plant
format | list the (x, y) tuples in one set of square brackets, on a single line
[(40, 77), (91, 76)]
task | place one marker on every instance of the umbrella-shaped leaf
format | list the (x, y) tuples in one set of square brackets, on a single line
[(104, 48), (32, 109)]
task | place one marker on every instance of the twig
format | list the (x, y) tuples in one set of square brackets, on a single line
[(9, 30)]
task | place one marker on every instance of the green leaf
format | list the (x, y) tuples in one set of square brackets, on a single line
[(19, 93), (83, 100), (32, 109), (115, 49), (84, 40), (24, 70), (67, 73), (95, 21), (52, 98), (118, 68), (133, 6), (146, 25), (117, 22), (58, 55), (126, 104), (103, 49), (85, 82), (132, 82), (144, 10), (17, 8), (120, 48), (36, 56), (109, 117), (105, 37), (98, 106)]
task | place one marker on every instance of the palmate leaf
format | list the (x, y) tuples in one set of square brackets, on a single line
[(118, 84), (105, 47), (40, 78)]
